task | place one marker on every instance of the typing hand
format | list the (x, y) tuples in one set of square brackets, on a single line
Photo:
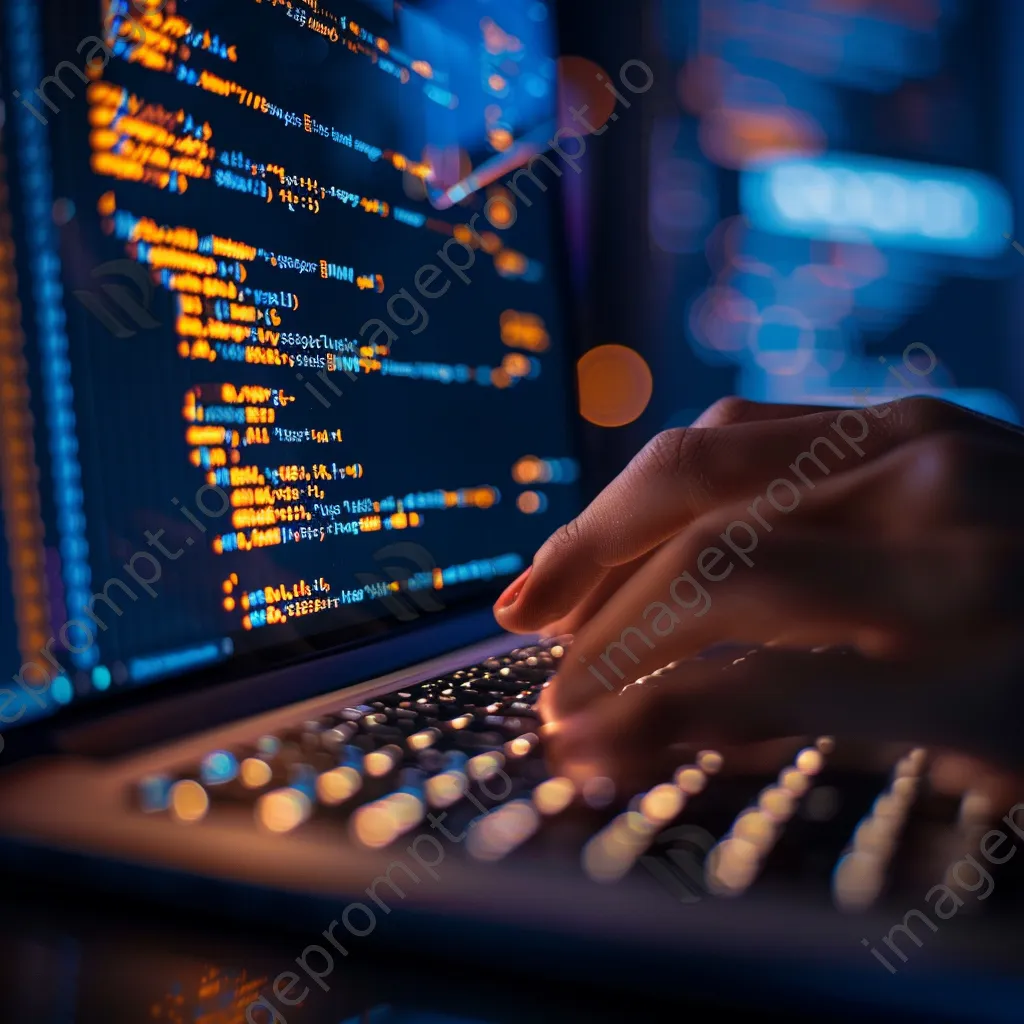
[(894, 529), (744, 706)]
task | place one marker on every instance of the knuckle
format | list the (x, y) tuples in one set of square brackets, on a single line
[(660, 454), (674, 451), (926, 414), (930, 481), (726, 412), (566, 537)]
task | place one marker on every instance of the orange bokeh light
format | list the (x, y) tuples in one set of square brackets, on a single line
[(523, 330), (615, 385), (579, 87), (500, 209), (527, 470), (515, 364), (528, 502), (500, 139), (510, 262)]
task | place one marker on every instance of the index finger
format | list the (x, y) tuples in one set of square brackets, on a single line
[(685, 472)]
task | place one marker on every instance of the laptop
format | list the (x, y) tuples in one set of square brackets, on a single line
[(288, 401)]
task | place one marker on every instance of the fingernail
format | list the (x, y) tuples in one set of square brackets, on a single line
[(512, 592)]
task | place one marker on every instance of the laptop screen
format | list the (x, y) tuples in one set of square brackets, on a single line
[(283, 358)]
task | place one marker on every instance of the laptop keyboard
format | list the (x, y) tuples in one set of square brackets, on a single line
[(464, 753), (430, 747)]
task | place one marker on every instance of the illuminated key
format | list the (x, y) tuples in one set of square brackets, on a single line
[(690, 779), (732, 866), (889, 805), (737, 858), (876, 836), (918, 757), (380, 823), (255, 773), (450, 785), (858, 880), (977, 813), (338, 785), (662, 803), (521, 745), (378, 763), (485, 766), (446, 788), (423, 740), (757, 828), (553, 795), (777, 802), (794, 780), (860, 876), (218, 767), (610, 854), (809, 761), (461, 722), (499, 832), (283, 810), (912, 765), (710, 762), (189, 801), (905, 787)]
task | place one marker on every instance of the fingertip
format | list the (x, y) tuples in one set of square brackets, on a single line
[(513, 619), (508, 609), (510, 595)]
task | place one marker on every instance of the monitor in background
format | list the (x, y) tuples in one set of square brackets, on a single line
[(278, 395), (831, 185)]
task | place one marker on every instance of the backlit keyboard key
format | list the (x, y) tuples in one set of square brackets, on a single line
[(380, 823), (283, 810), (499, 832), (218, 767), (189, 801)]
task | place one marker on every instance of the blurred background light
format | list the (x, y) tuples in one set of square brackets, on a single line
[(885, 202), (615, 385), (580, 87)]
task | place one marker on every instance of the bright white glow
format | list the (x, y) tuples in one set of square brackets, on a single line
[(888, 202), (890, 208)]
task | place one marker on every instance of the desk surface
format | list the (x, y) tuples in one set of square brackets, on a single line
[(68, 959)]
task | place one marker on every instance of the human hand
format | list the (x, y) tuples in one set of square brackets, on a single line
[(893, 529), (759, 708)]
